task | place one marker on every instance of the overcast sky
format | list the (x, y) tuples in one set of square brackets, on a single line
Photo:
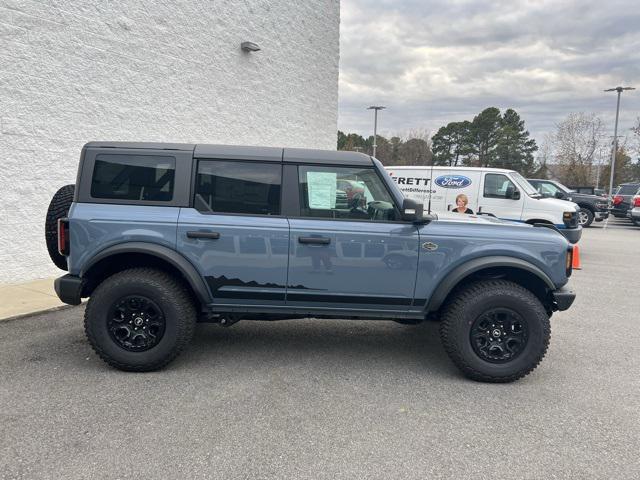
[(433, 62)]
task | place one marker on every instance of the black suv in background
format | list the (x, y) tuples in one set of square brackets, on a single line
[(592, 207), (623, 199)]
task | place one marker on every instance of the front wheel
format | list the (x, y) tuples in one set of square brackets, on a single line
[(585, 217), (139, 319), (495, 331)]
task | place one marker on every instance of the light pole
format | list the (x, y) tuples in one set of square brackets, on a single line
[(375, 108), (615, 139)]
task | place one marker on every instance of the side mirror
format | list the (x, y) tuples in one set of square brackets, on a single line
[(512, 193), (411, 210), (559, 194)]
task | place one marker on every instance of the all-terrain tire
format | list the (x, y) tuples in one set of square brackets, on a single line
[(469, 304), (167, 293), (586, 217), (58, 208)]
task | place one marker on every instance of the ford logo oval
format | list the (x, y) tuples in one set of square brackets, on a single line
[(453, 181)]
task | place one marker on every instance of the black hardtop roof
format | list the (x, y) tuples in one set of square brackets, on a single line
[(141, 145), (240, 152)]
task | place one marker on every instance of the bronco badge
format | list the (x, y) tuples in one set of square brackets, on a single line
[(429, 246)]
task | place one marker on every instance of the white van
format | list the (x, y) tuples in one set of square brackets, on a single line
[(503, 193)]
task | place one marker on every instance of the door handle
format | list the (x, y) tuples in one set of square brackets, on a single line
[(203, 234), (315, 240)]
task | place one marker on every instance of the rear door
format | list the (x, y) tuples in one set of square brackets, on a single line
[(356, 255), (235, 234)]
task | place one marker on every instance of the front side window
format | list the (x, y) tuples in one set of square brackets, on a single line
[(497, 186), (249, 188), (348, 193), (133, 177)]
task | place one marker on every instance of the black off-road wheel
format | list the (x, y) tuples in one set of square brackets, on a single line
[(585, 217), (495, 331), (58, 208), (140, 319)]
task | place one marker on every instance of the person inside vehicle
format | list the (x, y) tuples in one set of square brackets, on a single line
[(461, 204)]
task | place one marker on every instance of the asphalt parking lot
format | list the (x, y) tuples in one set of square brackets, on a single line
[(334, 399)]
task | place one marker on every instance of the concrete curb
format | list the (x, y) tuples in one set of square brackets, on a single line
[(38, 312)]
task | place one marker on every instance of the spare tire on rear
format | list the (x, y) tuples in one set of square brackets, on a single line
[(58, 208)]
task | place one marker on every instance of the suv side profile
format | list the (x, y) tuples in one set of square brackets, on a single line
[(161, 236)]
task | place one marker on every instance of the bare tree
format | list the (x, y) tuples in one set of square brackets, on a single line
[(544, 159), (577, 142)]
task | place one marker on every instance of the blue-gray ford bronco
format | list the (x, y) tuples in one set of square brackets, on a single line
[(162, 236)]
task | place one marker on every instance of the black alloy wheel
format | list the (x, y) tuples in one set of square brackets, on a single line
[(499, 335), (136, 323)]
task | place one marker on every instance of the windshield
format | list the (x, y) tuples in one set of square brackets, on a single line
[(548, 189), (628, 189), (395, 190), (524, 184), (565, 188)]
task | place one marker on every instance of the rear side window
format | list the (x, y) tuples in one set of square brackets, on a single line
[(249, 188), (133, 177)]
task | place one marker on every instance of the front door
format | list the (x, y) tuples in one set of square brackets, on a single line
[(348, 248), (235, 235), (500, 197)]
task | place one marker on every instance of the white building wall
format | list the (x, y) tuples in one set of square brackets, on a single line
[(73, 71)]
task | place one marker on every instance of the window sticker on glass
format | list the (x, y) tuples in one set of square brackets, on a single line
[(322, 190)]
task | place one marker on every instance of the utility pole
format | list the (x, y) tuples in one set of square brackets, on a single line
[(600, 157), (375, 108), (615, 139)]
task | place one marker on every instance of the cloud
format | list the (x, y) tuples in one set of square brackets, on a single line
[(433, 62)]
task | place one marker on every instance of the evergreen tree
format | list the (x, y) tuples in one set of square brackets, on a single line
[(514, 148), (450, 143), (483, 137)]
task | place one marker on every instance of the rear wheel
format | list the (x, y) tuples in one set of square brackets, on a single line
[(585, 217), (495, 331), (58, 208), (636, 221), (139, 319)]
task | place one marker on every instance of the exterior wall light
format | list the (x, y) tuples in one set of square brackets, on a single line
[(249, 47)]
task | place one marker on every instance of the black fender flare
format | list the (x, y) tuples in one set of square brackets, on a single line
[(452, 279), (166, 254), (586, 206)]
